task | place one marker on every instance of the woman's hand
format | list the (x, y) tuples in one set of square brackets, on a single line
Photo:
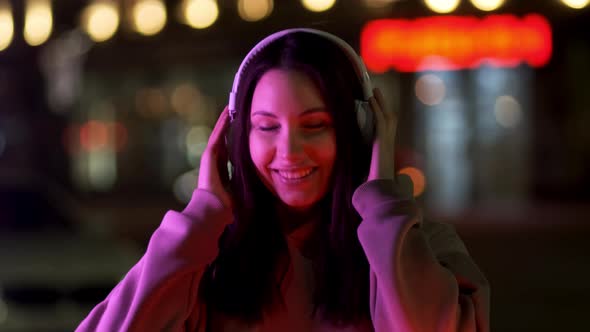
[(213, 174), (382, 160)]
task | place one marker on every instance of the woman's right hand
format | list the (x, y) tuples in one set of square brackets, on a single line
[(213, 174)]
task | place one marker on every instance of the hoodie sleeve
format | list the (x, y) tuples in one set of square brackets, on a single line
[(451, 253), (160, 292), (410, 289)]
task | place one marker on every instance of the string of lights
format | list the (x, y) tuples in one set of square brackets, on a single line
[(101, 19)]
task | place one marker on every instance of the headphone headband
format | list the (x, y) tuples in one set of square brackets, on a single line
[(354, 58)]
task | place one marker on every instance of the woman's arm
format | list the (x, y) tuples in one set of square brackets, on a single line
[(451, 252), (160, 291), (410, 289)]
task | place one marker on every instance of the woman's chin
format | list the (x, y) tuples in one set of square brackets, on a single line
[(298, 203)]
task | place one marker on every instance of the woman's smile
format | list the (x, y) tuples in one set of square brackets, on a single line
[(295, 176)]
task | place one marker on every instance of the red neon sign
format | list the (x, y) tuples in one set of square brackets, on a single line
[(454, 42)]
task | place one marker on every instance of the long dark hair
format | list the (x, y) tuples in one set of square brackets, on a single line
[(244, 280)]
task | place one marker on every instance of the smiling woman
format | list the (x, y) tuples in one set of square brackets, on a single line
[(292, 141), (311, 230)]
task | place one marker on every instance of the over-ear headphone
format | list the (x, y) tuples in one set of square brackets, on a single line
[(364, 114)]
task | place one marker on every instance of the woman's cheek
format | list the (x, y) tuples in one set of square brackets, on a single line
[(325, 145), (260, 152)]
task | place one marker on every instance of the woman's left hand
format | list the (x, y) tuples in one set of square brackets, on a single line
[(382, 160)]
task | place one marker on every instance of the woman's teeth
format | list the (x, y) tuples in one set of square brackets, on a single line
[(297, 174)]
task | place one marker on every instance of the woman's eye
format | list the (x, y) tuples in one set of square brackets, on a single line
[(267, 128), (315, 125)]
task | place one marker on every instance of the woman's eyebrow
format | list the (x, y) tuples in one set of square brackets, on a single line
[(308, 111), (320, 109), (264, 113)]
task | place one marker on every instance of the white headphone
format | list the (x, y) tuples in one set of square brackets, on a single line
[(364, 114)]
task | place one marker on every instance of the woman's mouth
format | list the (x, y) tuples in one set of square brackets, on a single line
[(296, 175)]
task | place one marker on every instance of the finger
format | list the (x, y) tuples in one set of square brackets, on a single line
[(218, 134), (379, 96), (377, 111), (381, 101), (391, 115)]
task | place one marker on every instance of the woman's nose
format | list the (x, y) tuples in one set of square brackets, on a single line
[(290, 146)]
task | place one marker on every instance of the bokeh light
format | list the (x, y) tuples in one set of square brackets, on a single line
[(150, 102), (487, 5), (442, 6), (184, 97), (6, 26), (118, 135), (417, 177), (452, 42), (102, 169), (508, 111), (318, 5), (100, 20), (254, 10), (200, 14), (38, 22), (94, 135), (196, 142), (149, 16), (430, 89), (576, 4), (184, 186)]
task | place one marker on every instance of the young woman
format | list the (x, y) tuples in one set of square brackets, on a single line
[(312, 231)]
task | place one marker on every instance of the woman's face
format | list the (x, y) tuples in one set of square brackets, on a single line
[(292, 141)]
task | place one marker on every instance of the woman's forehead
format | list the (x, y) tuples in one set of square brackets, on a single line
[(286, 91)]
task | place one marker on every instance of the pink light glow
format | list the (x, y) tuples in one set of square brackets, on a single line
[(456, 42)]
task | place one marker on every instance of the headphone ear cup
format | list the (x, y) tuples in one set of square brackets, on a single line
[(366, 120), (228, 145)]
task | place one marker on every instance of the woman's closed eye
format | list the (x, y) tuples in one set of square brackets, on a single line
[(267, 127), (308, 126), (315, 125)]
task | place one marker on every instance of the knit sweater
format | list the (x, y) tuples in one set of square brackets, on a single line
[(421, 276)]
